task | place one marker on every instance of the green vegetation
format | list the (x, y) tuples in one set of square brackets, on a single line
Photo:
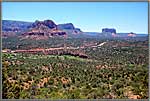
[(110, 72)]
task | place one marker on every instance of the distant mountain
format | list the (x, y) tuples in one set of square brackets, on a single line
[(49, 28), (15, 26), (47, 23), (10, 25), (68, 26), (37, 28), (109, 30), (43, 30)]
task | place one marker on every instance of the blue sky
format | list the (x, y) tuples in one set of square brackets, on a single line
[(89, 16)]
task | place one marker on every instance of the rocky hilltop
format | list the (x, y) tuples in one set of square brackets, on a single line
[(69, 27), (37, 29), (47, 23), (66, 26), (43, 30), (109, 30)]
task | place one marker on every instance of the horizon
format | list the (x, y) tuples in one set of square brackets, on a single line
[(88, 16)]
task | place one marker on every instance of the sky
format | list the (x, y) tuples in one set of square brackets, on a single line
[(88, 16)]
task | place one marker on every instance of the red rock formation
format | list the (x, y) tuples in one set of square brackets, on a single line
[(131, 34), (43, 30), (8, 34), (48, 23)]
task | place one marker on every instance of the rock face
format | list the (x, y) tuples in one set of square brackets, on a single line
[(43, 30), (45, 33), (48, 23), (109, 30), (66, 26), (69, 28)]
